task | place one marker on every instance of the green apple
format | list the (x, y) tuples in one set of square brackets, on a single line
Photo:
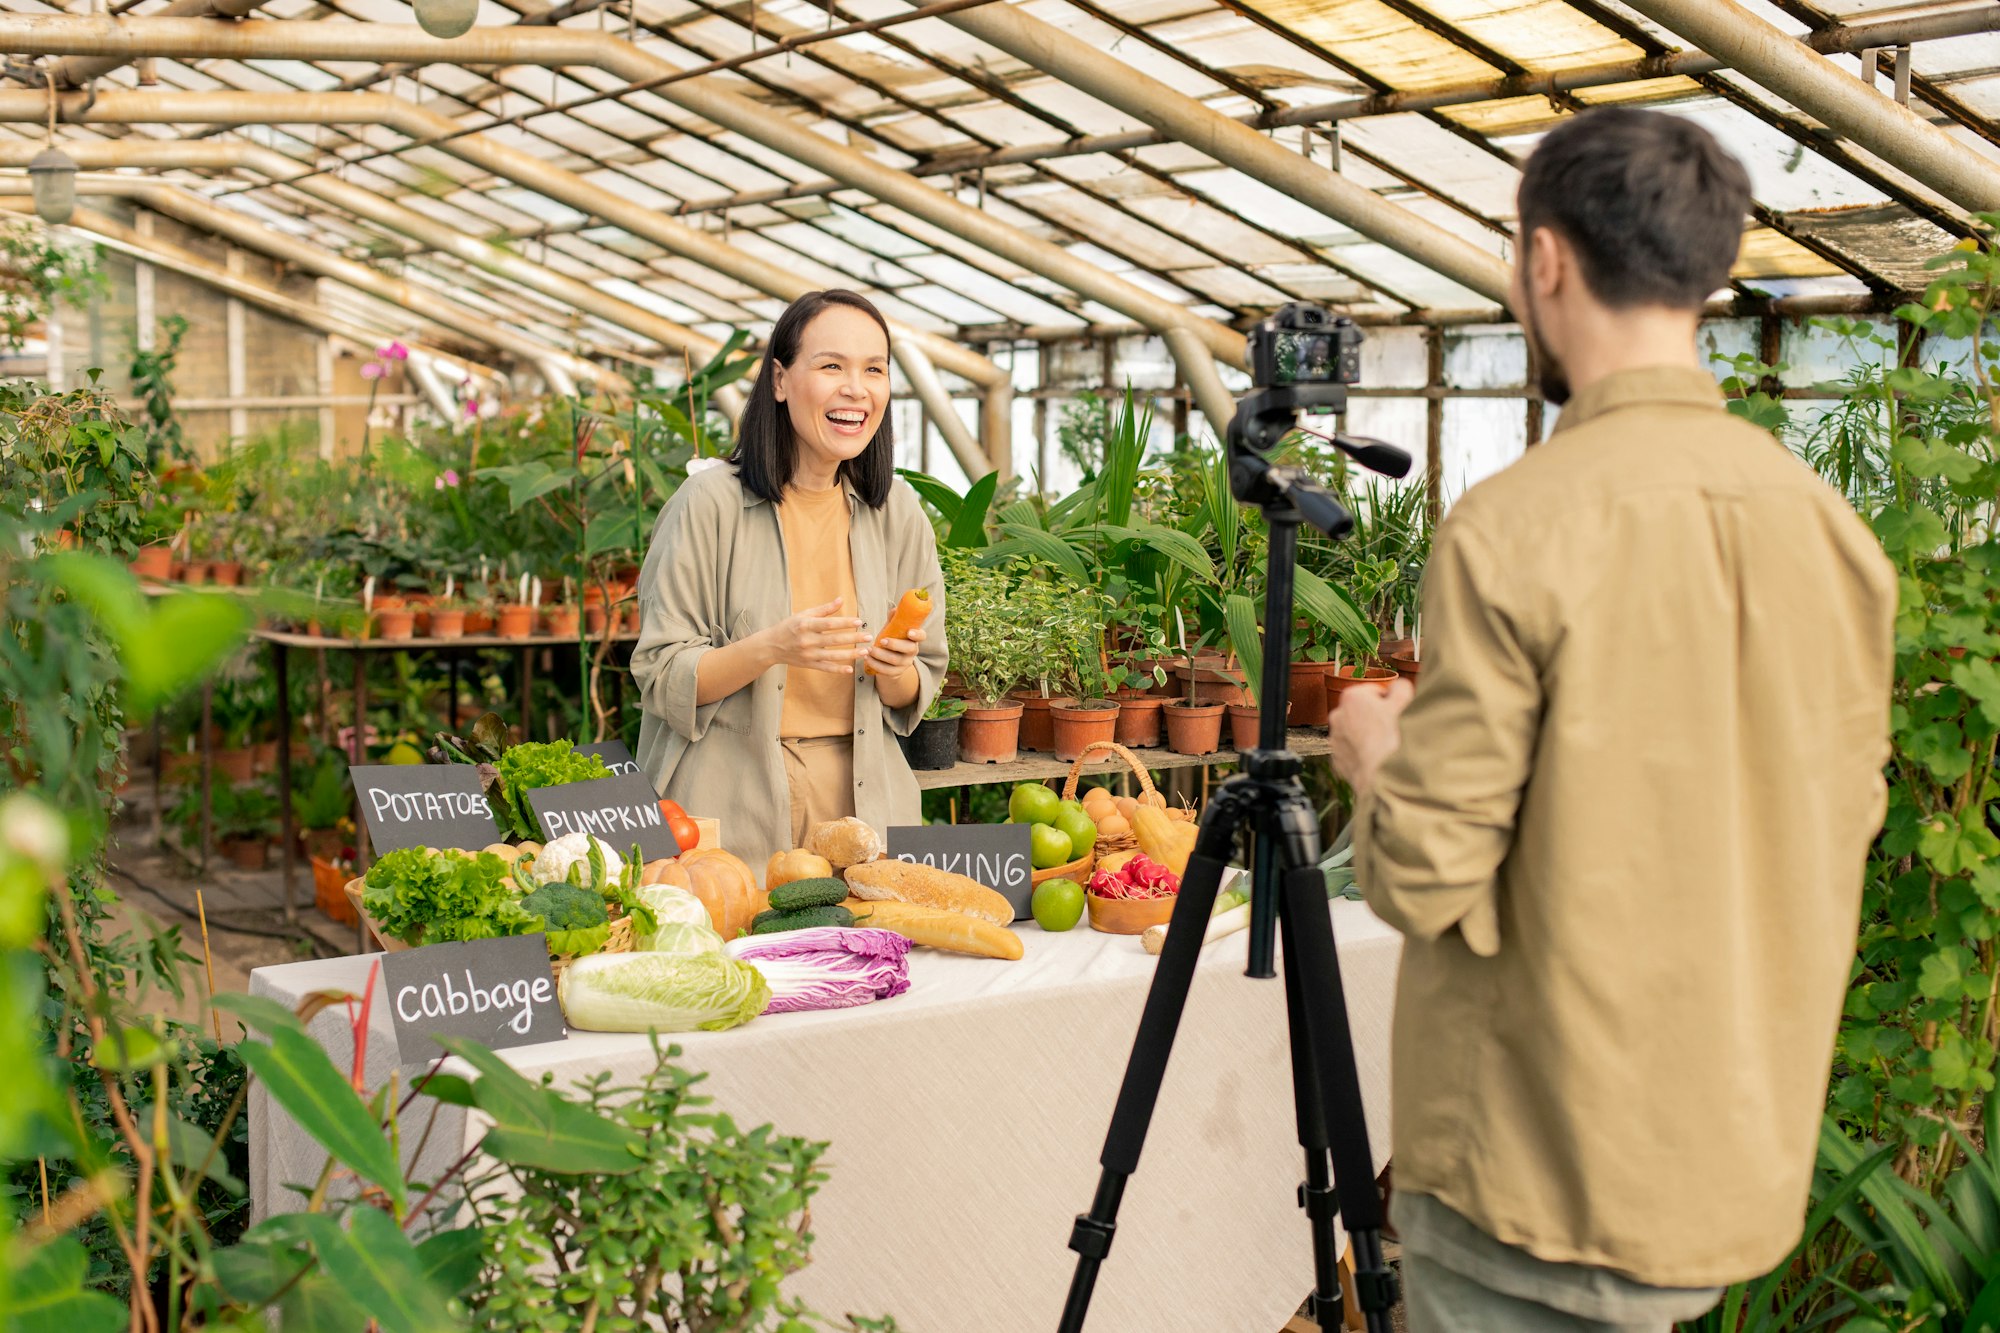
[(1058, 904), (1033, 803), (1048, 846), (1074, 820)]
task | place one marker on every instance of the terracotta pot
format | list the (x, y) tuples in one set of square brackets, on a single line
[(479, 620), (560, 621), (420, 619), (1243, 723), (933, 745), (388, 601), (990, 735), (1193, 728), (1340, 682), (329, 882), (396, 623), (1038, 728), (194, 573), (264, 756), (153, 562), (517, 620), (1409, 668), (228, 573), (1139, 722), (595, 618), (1386, 647), (1306, 694), (1083, 723), (632, 619), (447, 624), (247, 853), (238, 765), (1212, 683)]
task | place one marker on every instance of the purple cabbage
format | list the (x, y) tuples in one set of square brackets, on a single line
[(827, 967)]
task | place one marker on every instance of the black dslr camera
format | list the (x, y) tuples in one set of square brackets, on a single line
[(1304, 345)]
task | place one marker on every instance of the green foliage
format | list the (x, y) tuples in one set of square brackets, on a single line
[(535, 764), (321, 800), (575, 919), (72, 461), (697, 1231), (152, 369), (445, 896), (37, 274)]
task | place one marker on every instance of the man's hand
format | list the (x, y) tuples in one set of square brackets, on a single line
[(1365, 730)]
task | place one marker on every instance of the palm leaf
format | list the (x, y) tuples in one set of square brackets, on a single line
[(1124, 449), (1240, 613), (934, 493), (968, 526), (1046, 547), (1172, 543)]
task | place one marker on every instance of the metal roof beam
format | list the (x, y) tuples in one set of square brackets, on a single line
[(1803, 77)]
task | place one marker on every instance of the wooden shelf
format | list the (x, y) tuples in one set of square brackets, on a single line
[(331, 644), (1307, 741)]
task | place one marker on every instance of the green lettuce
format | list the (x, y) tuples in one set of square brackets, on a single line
[(440, 896), (535, 764)]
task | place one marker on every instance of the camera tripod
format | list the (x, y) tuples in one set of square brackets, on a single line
[(1288, 893)]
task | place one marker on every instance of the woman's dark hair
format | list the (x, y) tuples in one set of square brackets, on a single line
[(1652, 203), (766, 453)]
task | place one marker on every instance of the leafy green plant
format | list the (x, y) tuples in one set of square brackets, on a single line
[(943, 707), (321, 800), (444, 896), (535, 764), (152, 370), (38, 274)]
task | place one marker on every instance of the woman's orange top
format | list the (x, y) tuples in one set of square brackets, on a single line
[(820, 567)]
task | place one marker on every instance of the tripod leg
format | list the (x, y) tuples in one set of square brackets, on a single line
[(1312, 967), (1317, 1195), (1140, 1091)]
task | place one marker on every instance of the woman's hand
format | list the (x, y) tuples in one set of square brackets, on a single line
[(818, 639), (892, 657)]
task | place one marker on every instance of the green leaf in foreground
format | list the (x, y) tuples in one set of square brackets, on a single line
[(381, 1271), (301, 1079), (536, 1127), (49, 1294)]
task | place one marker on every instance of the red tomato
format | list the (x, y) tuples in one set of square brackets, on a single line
[(684, 830), (672, 810)]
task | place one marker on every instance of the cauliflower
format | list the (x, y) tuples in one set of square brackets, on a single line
[(573, 849)]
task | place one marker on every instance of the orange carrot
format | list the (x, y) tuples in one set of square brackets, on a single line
[(911, 612)]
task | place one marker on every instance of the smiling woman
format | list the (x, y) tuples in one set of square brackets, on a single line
[(760, 589)]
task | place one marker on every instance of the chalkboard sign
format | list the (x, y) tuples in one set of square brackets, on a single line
[(997, 855), (621, 810), (498, 992), (423, 805), (614, 754)]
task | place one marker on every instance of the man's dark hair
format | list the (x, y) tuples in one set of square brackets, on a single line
[(766, 453), (1653, 205)]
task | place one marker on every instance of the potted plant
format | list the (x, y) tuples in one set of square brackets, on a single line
[(243, 816), (448, 617), (988, 650), (1134, 682), (1244, 637), (1359, 676), (1092, 716), (1046, 608), (238, 705), (934, 744), (1306, 689), (1194, 725), (561, 620), (320, 809)]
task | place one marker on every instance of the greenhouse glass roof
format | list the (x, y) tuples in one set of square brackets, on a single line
[(918, 93)]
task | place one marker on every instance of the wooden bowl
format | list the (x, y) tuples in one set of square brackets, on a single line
[(389, 943), (1128, 916), (1078, 870)]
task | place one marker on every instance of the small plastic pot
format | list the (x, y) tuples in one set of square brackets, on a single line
[(396, 623), (1193, 728), (1081, 724), (1038, 727), (517, 620), (447, 624), (1338, 683), (1306, 705), (1139, 722), (153, 562), (934, 744), (990, 735), (560, 621), (1243, 723)]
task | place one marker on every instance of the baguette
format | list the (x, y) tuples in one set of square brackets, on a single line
[(951, 931), (924, 886)]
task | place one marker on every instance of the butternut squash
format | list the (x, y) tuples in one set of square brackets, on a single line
[(1166, 841)]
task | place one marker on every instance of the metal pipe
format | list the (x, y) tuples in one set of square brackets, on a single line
[(510, 163), (1795, 72), (1842, 38), (425, 374), (1203, 381), (186, 206), (1104, 76), (76, 71), (556, 377), (215, 154), (115, 235), (377, 42), (996, 427), (924, 382)]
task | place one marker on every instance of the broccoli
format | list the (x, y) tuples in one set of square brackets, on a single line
[(564, 906), (574, 919)]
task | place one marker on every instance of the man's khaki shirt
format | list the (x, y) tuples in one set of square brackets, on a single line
[(1624, 836)]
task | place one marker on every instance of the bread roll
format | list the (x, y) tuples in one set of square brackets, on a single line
[(907, 882), (844, 842)]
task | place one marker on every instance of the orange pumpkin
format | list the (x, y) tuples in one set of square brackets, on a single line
[(726, 888), (798, 863), (667, 870)]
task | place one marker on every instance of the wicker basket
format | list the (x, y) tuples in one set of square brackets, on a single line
[(1126, 842), (623, 939)]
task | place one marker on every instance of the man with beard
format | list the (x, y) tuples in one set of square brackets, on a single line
[(1622, 825)]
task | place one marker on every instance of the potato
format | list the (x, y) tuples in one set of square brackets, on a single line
[(506, 851)]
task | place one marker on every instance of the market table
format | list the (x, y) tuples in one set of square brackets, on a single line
[(966, 1117)]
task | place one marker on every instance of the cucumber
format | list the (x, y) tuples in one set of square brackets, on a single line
[(770, 923), (803, 893)]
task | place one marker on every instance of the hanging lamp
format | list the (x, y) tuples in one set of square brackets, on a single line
[(52, 176), (446, 18)]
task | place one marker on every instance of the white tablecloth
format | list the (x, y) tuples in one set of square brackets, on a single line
[(966, 1117)]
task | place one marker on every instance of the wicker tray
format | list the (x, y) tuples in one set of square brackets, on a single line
[(624, 939)]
